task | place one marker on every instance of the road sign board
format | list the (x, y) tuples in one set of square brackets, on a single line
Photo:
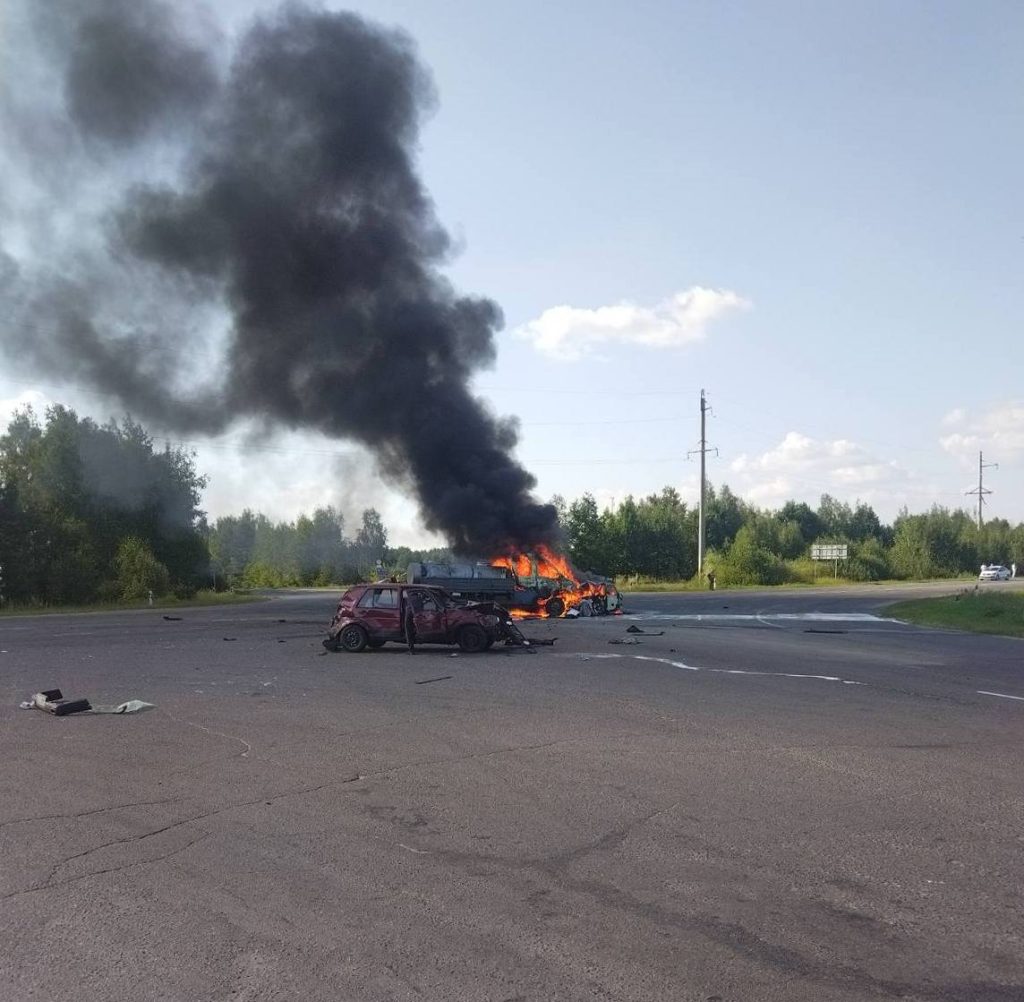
[(829, 551)]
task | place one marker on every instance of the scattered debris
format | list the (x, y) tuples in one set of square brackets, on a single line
[(546, 642), (53, 701), (280, 641), (572, 613), (646, 633), (440, 678), (624, 640), (282, 620), (230, 638), (813, 630), (173, 619), (454, 654), (130, 706)]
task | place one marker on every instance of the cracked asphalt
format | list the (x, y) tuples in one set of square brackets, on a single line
[(777, 798)]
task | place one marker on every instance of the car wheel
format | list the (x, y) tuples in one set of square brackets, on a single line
[(472, 639), (555, 607), (353, 638), (600, 606)]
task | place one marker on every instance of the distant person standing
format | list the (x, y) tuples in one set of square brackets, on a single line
[(413, 604), (1013, 570), (379, 572), (711, 579)]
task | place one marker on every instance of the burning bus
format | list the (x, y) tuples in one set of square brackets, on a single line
[(540, 583)]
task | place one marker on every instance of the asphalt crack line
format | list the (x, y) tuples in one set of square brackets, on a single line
[(109, 869), (50, 882), (86, 814), (219, 734)]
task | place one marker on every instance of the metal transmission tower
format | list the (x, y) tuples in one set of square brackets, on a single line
[(703, 450), (981, 490)]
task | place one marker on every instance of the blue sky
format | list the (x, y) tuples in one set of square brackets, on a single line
[(811, 210)]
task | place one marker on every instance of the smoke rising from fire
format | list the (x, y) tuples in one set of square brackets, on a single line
[(214, 238)]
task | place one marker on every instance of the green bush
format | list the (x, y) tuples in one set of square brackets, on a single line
[(138, 571)]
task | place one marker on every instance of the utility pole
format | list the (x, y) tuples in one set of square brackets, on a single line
[(703, 450), (981, 490)]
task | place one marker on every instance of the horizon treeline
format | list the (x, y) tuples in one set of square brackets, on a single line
[(94, 513), (656, 537)]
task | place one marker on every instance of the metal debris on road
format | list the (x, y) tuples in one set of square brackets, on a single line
[(440, 678), (173, 619), (53, 701)]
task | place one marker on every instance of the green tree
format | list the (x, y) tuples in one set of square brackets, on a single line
[(74, 490), (724, 515), (806, 519), (138, 571), (585, 534)]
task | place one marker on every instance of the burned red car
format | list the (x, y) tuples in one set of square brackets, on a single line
[(369, 615)]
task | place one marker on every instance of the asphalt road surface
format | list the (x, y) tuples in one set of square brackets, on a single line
[(769, 796)]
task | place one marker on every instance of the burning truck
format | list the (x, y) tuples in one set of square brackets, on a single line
[(540, 583)]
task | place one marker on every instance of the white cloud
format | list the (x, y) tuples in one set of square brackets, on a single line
[(569, 332), (1000, 430), (27, 398), (803, 468)]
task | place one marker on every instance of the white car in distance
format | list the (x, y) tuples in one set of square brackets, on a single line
[(995, 572)]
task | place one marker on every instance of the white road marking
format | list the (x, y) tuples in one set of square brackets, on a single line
[(722, 671), (764, 617), (1001, 695)]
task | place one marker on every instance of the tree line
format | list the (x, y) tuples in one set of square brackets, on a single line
[(91, 513), (656, 537), (94, 512)]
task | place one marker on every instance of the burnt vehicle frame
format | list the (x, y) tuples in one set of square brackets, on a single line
[(371, 615)]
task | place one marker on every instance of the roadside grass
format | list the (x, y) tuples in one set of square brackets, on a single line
[(201, 598), (974, 611), (694, 584), (630, 584)]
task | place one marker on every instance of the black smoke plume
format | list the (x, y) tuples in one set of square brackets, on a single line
[(272, 183)]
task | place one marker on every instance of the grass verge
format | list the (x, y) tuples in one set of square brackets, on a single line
[(975, 612), (201, 598)]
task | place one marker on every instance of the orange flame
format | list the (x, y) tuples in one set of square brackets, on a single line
[(558, 572)]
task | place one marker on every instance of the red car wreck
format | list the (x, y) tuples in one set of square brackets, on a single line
[(369, 615)]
